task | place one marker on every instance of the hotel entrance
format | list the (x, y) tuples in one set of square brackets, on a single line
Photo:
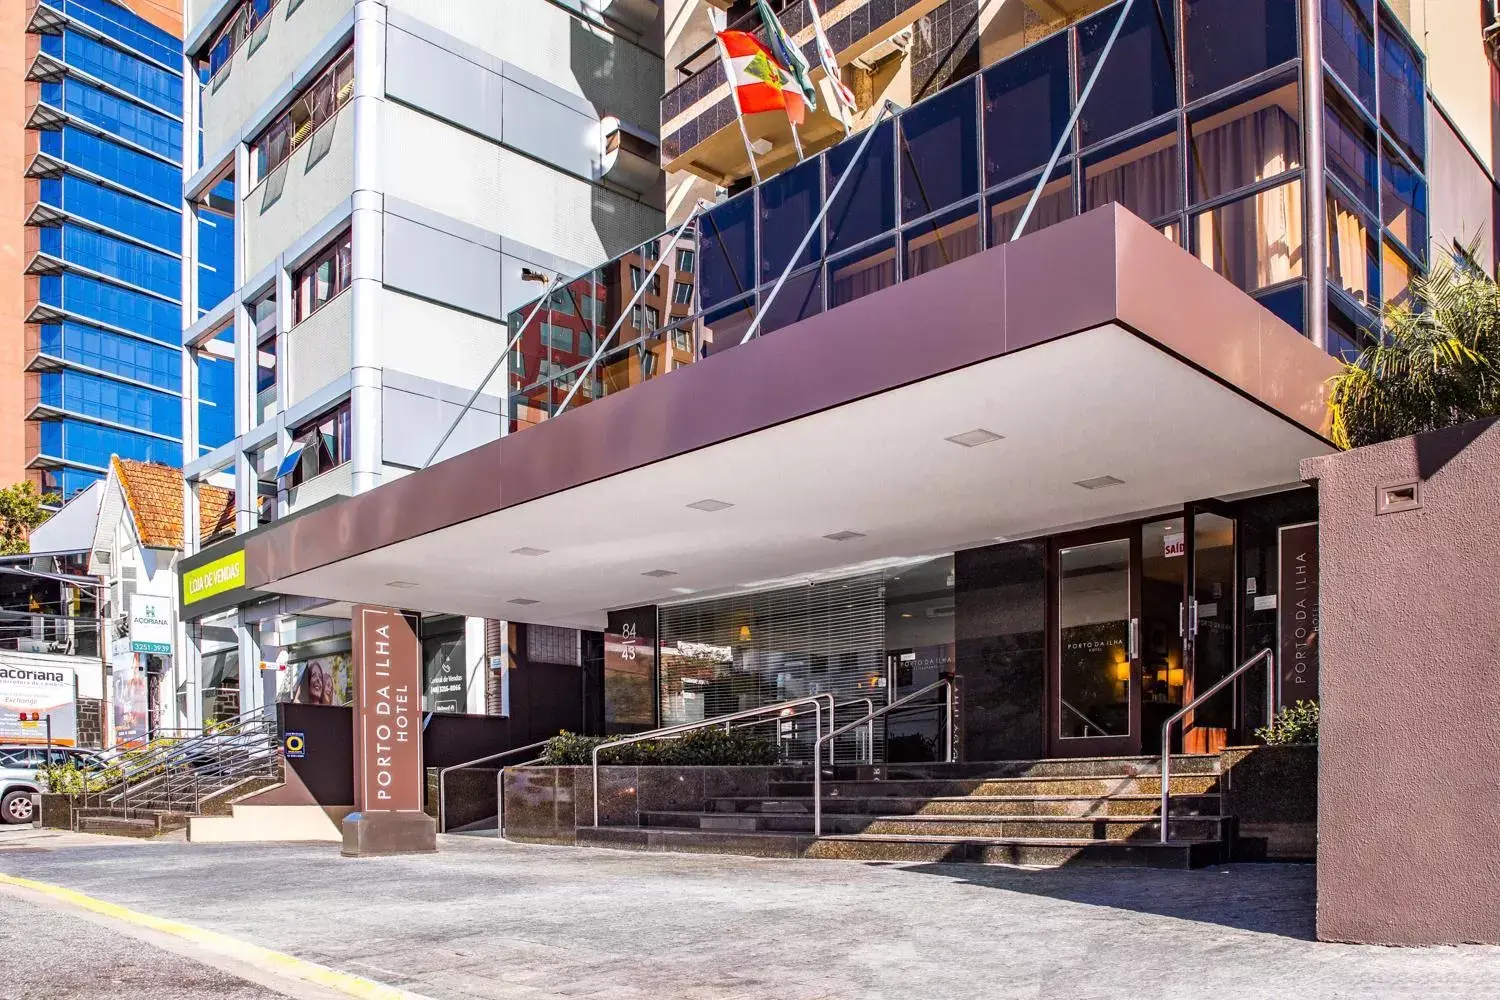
[(1142, 615)]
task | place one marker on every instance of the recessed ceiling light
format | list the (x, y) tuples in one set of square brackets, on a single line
[(683, 590), (527, 550), (522, 601), (710, 505), (402, 585), (1099, 482), (906, 614), (843, 536), (659, 572), (975, 438)]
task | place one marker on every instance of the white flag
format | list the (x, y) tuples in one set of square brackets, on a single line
[(845, 96)]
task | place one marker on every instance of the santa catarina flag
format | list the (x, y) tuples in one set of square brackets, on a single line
[(785, 51), (760, 83)]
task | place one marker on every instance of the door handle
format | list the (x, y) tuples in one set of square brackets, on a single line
[(1134, 638), (1193, 619), (1182, 619)]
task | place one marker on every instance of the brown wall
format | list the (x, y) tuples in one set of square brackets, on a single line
[(12, 239), (1408, 806)]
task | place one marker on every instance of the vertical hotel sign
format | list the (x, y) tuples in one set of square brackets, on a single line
[(1297, 607), (388, 717)]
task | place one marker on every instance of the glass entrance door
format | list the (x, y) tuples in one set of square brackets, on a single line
[(1209, 626), (1096, 710)]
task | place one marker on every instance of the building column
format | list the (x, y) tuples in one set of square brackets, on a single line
[(496, 681), (365, 286), (1315, 187)]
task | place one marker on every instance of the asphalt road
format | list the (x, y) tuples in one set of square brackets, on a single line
[(485, 919)]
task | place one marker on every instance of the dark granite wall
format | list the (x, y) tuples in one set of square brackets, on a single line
[(944, 47), (1000, 596)]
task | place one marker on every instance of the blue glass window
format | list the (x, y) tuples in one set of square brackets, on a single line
[(1232, 40), (216, 401), (121, 164), (1139, 79), (1404, 203), (147, 81), (789, 203), (116, 402), (126, 119), (1142, 174), (92, 444), (866, 206), (67, 482), (1244, 139), (1353, 251), (1288, 304), (1349, 47), (113, 305), (727, 245), (215, 255), (939, 152), (1351, 150), (125, 26), (116, 258), (115, 210), (799, 298), (141, 360), (1403, 103), (1026, 104), (941, 240)]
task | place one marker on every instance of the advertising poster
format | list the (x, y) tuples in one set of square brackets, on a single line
[(28, 694), (151, 624), (447, 688), (130, 710), (322, 680)]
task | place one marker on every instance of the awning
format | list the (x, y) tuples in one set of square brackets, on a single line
[(289, 463)]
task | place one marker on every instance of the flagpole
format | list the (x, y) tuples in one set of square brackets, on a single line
[(796, 140), (716, 24)]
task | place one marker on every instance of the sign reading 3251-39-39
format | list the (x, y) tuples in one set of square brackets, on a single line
[(150, 624)]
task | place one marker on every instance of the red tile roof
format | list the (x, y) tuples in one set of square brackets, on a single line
[(154, 495)]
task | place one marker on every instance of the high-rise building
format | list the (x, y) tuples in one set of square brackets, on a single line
[(99, 241)]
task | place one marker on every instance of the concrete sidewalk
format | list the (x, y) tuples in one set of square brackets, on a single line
[(489, 919)]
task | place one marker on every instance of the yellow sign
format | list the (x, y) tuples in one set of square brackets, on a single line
[(214, 578)]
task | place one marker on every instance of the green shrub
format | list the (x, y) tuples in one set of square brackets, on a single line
[(72, 779), (697, 748), (1294, 725)]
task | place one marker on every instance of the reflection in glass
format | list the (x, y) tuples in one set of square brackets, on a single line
[(722, 328), (800, 297), (1163, 659), (727, 246), (1139, 79), (1054, 206), (862, 272), (789, 203), (1233, 40), (939, 155), (1144, 179), (1213, 639), (1403, 103), (1288, 304), (1093, 616), (1256, 241), (1247, 143), (1026, 105), (941, 240), (1396, 274), (866, 206), (623, 367), (1404, 203), (1349, 47), (1016, 26), (1353, 259), (1351, 150)]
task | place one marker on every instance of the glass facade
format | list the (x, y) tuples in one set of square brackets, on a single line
[(107, 235)]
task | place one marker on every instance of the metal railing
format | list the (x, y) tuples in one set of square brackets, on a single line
[(181, 774), (1223, 682), (822, 701), (945, 682), (443, 779)]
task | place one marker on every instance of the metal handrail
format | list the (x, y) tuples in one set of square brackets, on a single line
[(869, 704), (670, 731), (1166, 727), (1086, 720), (443, 777), (945, 682)]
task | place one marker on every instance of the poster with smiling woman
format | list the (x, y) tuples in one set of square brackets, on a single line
[(323, 680)]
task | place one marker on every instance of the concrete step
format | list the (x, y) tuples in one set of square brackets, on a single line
[(1028, 852), (1046, 768), (1206, 804), (635, 838), (1019, 827), (1085, 785)]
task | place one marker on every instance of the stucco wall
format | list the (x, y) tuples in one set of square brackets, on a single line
[(318, 348), (1408, 804)]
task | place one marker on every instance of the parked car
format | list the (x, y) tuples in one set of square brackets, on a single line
[(18, 776)]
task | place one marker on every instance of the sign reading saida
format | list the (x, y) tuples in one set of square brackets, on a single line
[(213, 578)]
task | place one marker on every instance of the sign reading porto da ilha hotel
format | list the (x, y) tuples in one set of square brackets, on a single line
[(387, 737), (1297, 605)]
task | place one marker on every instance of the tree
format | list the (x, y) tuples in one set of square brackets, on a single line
[(21, 511), (1437, 361)]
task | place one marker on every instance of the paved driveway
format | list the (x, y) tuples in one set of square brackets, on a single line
[(487, 919)]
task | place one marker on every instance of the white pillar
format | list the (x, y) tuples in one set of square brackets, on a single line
[(365, 372)]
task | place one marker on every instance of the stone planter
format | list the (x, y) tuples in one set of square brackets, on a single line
[(1272, 792), (57, 811), (548, 804)]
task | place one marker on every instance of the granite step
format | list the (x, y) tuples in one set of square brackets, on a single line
[(639, 838), (1025, 852), (1089, 785), (1045, 827), (1046, 768), (1205, 804)]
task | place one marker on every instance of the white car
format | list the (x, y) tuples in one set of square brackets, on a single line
[(18, 777)]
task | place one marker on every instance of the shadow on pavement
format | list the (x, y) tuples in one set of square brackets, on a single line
[(1277, 899)]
